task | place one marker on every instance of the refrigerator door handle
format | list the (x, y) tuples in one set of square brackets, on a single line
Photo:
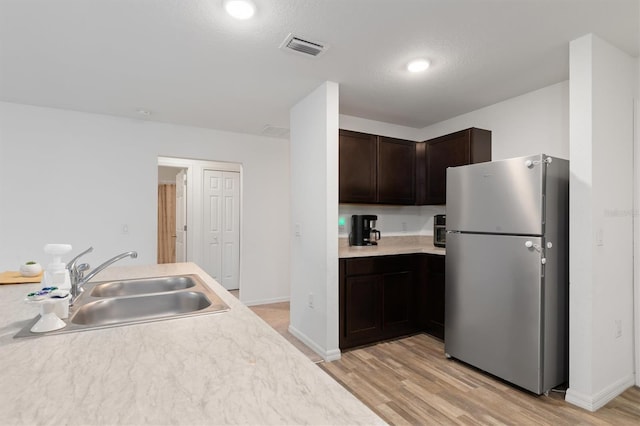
[(531, 163), (530, 244)]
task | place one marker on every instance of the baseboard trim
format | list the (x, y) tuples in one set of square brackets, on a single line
[(328, 356), (600, 399), (265, 301)]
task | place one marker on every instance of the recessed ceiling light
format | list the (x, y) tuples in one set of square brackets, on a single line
[(240, 9), (418, 65), (144, 112)]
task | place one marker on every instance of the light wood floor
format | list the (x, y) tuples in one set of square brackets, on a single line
[(409, 381), (277, 316)]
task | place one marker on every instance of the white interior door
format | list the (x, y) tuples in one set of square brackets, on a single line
[(181, 216), (212, 216), (221, 214), (230, 230)]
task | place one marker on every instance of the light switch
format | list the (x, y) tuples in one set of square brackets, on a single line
[(298, 230), (600, 237)]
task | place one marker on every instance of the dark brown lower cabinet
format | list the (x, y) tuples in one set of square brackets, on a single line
[(362, 318), (383, 297), (396, 299), (434, 308), (376, 296)]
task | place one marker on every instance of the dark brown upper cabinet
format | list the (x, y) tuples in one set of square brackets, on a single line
[(456, 149), (396, 171), (376, 169), (357, 167)]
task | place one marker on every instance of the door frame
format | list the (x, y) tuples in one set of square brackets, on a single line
[(195, 170)]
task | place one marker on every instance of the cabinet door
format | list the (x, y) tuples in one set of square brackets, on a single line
[(436, 155), (357, 167), (442, 153), (396, 171), (435, 295), (362, 310), (397, 301)]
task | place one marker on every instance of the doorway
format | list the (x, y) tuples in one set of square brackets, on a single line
[(172, 204), (206, 225)]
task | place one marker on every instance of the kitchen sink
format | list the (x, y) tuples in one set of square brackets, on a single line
[(124, 302), (142, 286), (128, 309)]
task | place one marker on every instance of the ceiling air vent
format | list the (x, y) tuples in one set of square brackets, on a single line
[(305, 47), (275, 132)]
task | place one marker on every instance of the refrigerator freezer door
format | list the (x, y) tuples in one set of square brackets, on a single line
[(493, 305), (503, 197)]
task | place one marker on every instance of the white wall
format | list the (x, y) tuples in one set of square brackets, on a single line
[(534, 123), (636, 224), (603, 83), (167, 175), (364, 125), (77, 178), (314, 212)]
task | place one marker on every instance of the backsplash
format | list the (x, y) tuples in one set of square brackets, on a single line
[(392, 220)]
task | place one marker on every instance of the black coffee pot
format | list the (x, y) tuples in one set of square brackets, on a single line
[(362, 230)]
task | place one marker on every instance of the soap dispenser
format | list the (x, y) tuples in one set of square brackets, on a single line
[(56, 274)]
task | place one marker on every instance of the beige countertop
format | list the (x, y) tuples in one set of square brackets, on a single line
[(390, 246), (225, 368)]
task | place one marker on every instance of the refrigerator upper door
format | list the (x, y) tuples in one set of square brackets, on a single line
[(503, 197), (493, 305)]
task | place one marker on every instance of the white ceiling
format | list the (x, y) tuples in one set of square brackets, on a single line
[(189, 63)]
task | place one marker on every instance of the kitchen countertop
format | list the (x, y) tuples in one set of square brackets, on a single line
[(391, 245), (224, 368)]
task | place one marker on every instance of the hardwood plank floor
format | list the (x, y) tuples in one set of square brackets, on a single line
[(410, 382), (277, 316)]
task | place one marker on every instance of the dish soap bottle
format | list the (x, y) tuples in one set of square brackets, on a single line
[(56, 274)]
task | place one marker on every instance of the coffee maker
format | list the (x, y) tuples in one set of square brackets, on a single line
[(362, 230)]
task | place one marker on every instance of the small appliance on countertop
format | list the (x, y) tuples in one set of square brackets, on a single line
[(362, 230), (440, 230)]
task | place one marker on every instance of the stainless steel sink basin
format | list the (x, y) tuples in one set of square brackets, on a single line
[(117, 303), (142, 286), (128, 309)]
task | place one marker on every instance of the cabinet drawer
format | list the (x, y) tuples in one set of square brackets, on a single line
[(362, 266), (379, 264)]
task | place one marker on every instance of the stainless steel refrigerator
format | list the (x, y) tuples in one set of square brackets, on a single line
[(506, 296)]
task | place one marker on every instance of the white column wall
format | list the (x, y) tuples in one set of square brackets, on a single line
[(636, 217), (603, 83), (314, 218)]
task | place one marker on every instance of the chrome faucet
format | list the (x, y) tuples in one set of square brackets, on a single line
[(76, 286), (76, 272)]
